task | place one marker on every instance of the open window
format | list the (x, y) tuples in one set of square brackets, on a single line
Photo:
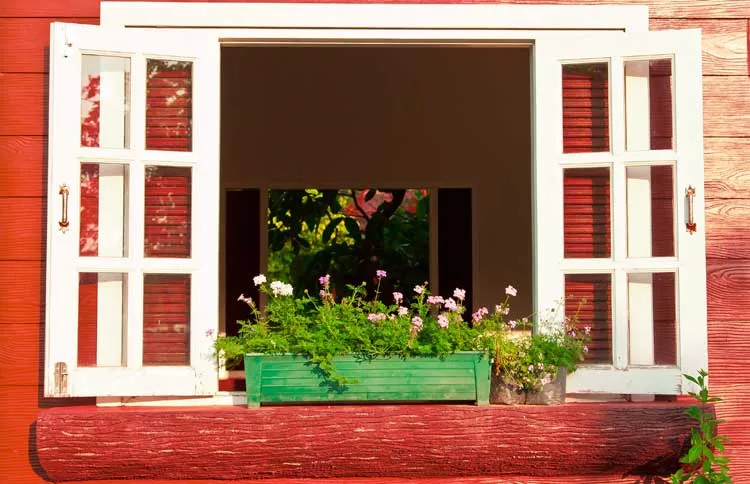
[(133, 265), (618, 204), (133, 208)]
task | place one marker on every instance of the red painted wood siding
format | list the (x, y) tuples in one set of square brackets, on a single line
[(24, 36)]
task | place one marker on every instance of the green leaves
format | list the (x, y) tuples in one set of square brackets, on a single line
[(704, 462)]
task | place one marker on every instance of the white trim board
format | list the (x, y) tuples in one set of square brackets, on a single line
[(628, 18)]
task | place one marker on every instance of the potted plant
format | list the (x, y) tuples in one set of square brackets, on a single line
[(354, 348), (531, 368)]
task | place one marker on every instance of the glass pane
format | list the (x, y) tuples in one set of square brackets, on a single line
[(648, 104), (102, 309), (166, 319), (650, 199), (104, 210), (168, 211), (587, 216), (589, 298), (105, 101), (652, 318), (585, 107), (169, 105)]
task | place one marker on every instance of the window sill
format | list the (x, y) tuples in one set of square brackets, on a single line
[(364, 441)]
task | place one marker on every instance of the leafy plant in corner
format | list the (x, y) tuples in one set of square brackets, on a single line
[(704, 462)]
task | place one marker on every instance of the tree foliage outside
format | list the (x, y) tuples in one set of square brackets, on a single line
[(348, 234)]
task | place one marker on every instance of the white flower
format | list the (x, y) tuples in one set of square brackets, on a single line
[(459, 294), (259, 279), (443, 321), (398, 297), (418, 289), (416, 321), (402, 311), (279, 288), (511, 291)]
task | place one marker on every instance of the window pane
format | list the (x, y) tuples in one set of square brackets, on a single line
[(585, 107), (652, 318), (104, 210), (169, 105), (166, 319), (648, 104), (650, 208), (105, 101), (102, 309), (587, 218), (589, 298), (168, 211)]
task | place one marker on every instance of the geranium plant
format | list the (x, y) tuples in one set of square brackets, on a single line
[(321, 326)]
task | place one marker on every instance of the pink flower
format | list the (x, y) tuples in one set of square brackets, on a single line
[(585, 349), (324, 280), (443, 321), (398, 297), (587, 330), (323, 293), (511, 291), (418, 289), (512, 323), (459, 294), (375, 317), (435, 300), (416, 321), (380, 273), (450, 304), (479, 314), (209, 332), (246, 300), (402, 311)]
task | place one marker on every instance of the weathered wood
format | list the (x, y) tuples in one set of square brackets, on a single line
[(462, 376), (724, 43), (23, 105), (22, 284), (22, 166), (728, 228), (728, 283), (726, 106), (24, 43), (727, 167), (380, 440), (657, 8), (21, 354), (22, 234)]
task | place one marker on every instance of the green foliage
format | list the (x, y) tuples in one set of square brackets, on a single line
[(529, 361), (387, 325), (704, 462), (313, 232)]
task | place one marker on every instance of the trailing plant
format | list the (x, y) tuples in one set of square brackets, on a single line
[(704, 462), (386, 324)]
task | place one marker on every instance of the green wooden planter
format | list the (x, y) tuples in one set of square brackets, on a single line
[(462, 376)]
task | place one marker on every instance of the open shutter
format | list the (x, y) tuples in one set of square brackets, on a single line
[(132, 270), (618, 182)]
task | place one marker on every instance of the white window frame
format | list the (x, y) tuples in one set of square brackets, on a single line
[(236, 23), (68, 44)]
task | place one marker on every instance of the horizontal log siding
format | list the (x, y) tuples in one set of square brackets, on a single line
[(24, 27)]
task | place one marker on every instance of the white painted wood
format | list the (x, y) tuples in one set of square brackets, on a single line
[(122, 218), (113, 132), (401, 16), (632, 371), (110, 319), (634, 380)]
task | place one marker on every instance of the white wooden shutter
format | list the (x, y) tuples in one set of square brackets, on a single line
[(133, 210), (595, 113)]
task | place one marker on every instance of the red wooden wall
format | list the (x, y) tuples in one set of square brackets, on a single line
[(24, 37)]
